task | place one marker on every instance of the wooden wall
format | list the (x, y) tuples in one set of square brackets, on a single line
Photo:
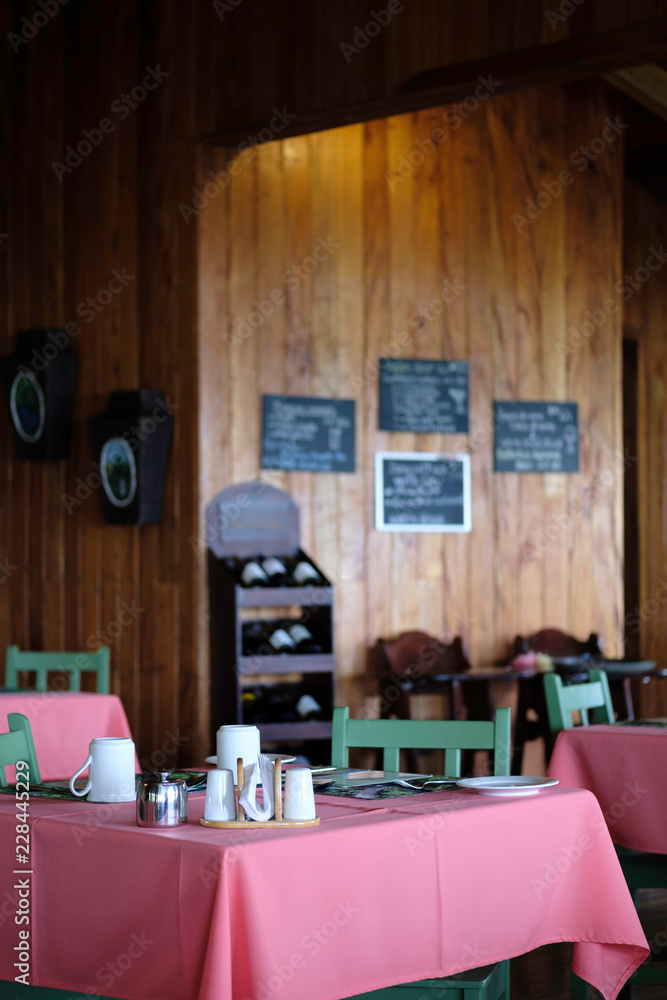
[(644, 264), (432, 257), (74, 576), (119, 208)]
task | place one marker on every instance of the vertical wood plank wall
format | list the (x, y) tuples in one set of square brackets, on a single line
[(408, 237), (75, 580), (120, 208), (645, 284)]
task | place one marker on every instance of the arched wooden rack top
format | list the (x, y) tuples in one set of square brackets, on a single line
[(252, 517)]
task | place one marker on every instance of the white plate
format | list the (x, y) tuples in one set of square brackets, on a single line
[(286, 759), (513, 785)]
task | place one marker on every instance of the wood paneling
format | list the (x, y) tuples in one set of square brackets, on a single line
[(392, 204), (76, 576), (645, 313), (122, 207)]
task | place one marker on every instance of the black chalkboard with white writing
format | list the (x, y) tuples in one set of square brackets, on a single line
[(304, 434), (423, 397), (536, 437), (418, 491)]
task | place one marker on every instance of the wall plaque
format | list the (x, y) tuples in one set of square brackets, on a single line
[(419, 491), (423, 397), (38, 380), (304, 434), (536, 437), (130, 442)]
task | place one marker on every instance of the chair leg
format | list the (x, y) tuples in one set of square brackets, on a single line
[(579, 988)]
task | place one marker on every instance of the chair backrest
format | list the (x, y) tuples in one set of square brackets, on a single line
[(394, 735), (418, 653), (563, 699), (554, 642), (18, 745), (72, 664)]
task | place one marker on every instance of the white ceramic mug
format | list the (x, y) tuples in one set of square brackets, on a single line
[(220, 802), (233, 742), (111, 774), (299, 796)]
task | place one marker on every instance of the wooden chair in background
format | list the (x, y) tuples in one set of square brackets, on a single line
[(416, 663), (391, 735), (16, 745), (72, 664), (557, 643), (531, 715)]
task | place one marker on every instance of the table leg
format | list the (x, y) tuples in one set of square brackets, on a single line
[(457, 701), (471, 701), (531, 696), (627, 691)]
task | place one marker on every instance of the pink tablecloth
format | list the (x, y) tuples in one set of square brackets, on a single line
[(624, 766), (377, 894), (63, 724)]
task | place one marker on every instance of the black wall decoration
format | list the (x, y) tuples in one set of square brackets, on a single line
[(423, 397), (38, 380), (130, 441), (308, 434), (422, 491), (536, 437)]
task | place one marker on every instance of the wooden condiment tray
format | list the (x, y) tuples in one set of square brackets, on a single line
[(279, 823), (242, 821)]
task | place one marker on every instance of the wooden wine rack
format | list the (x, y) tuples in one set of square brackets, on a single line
[(267, 523)]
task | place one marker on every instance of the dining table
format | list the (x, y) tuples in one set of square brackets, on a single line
[(380, 892), (63, 723), (624, 765)]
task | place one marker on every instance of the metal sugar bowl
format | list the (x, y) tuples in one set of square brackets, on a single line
[(162, 800)]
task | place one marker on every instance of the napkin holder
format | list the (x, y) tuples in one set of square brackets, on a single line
[(243, 820)]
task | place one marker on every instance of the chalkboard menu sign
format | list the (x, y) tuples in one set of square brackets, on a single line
[(536, 437), (304, 434), (419, 491), (424, 397)]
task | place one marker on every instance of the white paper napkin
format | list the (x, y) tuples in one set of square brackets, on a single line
[(248, 795)]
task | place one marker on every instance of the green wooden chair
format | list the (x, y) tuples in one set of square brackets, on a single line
[(16, 745), (394, 735), (564, 699), (641, 870), (73, 664), (492, 982)]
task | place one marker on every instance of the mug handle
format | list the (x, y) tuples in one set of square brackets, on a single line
[(76, 774)]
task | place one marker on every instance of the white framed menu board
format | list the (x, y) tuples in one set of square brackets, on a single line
[(422, 491)]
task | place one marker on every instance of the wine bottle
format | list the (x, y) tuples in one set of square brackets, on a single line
[(281, 642), (254, 706), (303, 639), (253, 575), (233, 565), (308, 709), (275, 571), (306, 575), (281, 704), (251, 637)]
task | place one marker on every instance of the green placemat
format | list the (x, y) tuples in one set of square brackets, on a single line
[(647, 723), (381, 791), (195, 781)]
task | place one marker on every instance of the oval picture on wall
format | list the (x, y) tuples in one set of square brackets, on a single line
[(27, 406), (119, 472)]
